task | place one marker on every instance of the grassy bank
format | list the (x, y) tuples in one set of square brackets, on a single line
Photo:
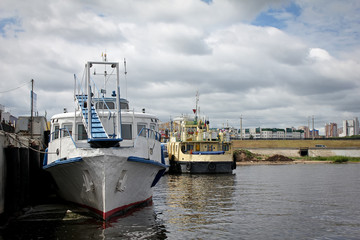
[(334, 159), (242, 155), (245, 144)]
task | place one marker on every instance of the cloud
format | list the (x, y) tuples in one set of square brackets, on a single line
[(274, 72)]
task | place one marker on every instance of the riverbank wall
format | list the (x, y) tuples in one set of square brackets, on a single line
[(22, 179), (300, 148), (297, 152)]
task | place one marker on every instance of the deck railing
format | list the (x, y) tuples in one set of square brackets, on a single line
[(60, 134), (150, 133)]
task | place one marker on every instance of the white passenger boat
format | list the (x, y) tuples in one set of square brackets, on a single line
[(109, 160)]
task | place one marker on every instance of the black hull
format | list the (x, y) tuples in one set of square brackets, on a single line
[(177, 167)]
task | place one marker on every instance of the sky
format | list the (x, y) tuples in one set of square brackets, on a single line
[(273, 63)]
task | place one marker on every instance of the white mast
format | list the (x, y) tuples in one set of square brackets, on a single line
[(196, 109), (125, 72)]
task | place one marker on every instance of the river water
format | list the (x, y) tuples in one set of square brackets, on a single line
[(301, 201)]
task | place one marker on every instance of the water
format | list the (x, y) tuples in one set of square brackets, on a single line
[(302, 201)]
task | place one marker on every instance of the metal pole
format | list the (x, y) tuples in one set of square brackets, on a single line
[(32, 108), (118, 102), (313, 131), (89, 115), (125, 72), (241, 134)]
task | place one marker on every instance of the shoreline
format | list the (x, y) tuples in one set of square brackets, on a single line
[(263, 162)]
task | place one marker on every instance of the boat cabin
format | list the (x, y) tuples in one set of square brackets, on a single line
[(66, 125)]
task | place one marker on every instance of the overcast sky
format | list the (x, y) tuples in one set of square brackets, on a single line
[(274, 62)]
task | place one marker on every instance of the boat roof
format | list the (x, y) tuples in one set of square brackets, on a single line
[(123, 114)]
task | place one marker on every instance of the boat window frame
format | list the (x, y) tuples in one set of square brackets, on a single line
[(144, 125), (56, 132), (123, 136), (107, 105), (189, 147), (64, 127), (83, 133)]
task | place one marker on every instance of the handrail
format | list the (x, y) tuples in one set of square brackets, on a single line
[(60, 130), (86, 114), (91, 89), (150, 133), (102, 98), (79, 91)]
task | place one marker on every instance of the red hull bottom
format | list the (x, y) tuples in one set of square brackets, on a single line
[(120, 210)]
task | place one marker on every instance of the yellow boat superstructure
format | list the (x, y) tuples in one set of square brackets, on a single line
[(193, 148)]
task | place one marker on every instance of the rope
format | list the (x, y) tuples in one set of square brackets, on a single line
[(21, 143), (15, 88)]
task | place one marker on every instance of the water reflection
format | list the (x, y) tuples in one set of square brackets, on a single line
[(258, 202), (64, 221), (195, 201)]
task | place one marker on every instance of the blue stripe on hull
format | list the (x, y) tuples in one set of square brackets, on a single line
[(147, 161), (60, 162), (209, 153)]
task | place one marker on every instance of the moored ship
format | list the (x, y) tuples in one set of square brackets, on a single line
[(194, 148), (104, 156)]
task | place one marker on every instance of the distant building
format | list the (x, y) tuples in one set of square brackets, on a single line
[(339, 132), (272, 133), (39, 127), (331, 130), (7, 120), (314, 133), (350, 127), (306, 131)]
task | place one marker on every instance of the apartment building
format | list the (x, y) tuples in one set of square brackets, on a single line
[(272, 133), (331, 130), (350, 127)]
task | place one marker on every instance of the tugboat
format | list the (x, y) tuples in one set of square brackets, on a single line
[(104, 156), (193, 148)]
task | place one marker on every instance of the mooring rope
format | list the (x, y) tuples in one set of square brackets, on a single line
[(21, 143)]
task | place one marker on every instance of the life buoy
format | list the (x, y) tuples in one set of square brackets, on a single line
[(211, 166)]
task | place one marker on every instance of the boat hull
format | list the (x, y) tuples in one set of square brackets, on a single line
[(201, 167), (108, 185)]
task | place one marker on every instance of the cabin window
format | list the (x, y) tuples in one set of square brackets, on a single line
[(81, 132), (124, 105), (189, 147), (56, 132), (225, 147), (139, 127), (197, 147), (152, 126), (101, 105), (126, 131), (69, 130)]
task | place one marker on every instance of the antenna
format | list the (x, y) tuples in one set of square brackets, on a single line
[(103, 55), (241, 136), (125, 72), (197, 101), (32, 108)]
